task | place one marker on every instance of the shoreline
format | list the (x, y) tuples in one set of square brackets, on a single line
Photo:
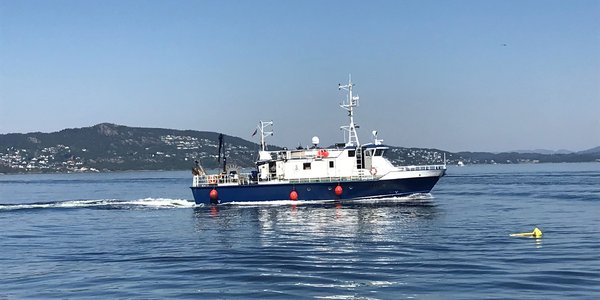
[(182, 170)]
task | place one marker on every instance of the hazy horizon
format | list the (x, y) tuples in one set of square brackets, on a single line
[(459, 76)]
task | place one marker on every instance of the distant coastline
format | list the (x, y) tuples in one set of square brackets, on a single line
[(115, 148)]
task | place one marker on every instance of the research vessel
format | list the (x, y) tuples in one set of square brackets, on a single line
[(345, 171)]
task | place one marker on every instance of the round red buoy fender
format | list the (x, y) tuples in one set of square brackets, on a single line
[(213, 194), (338, 190), (293, 195)]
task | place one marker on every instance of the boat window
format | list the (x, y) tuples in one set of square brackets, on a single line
[(379, 152), (369, 153), (331, 164), (307, 166), (351, 153)]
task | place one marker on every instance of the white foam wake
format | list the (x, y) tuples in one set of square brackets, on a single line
[(160, 203), (156, 203), (418, 197)]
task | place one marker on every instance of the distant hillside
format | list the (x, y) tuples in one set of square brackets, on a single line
[(590, 151), (514, 157), (110, 147), (544, 151)]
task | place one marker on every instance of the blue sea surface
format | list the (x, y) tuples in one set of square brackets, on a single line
[(138, 235)]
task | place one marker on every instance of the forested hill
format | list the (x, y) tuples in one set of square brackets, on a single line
[(110, 147)]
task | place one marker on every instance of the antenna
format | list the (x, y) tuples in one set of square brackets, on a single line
[(349, 104), (263, 134), (375, 140)]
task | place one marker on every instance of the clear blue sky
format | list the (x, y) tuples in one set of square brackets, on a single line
[(454, 75)]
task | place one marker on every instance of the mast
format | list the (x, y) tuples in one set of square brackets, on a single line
[(263, 134), (349, 104)]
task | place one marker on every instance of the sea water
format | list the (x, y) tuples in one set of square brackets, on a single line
[(139, 235)]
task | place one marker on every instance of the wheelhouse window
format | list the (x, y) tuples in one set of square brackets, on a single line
[(351, 153), (306, 166), (379, 152)]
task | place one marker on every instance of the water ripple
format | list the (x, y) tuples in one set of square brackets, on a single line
[(456, 244)]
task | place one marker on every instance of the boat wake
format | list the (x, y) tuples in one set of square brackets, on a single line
[(413, 198), (146, 203)]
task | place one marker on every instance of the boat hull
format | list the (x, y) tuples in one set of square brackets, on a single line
[(351, 190)]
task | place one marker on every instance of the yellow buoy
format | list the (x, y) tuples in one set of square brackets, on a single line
[(536, 233)]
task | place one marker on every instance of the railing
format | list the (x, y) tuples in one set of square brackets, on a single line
[(201, 180), (244, 179), (334, 179), (422, 168)]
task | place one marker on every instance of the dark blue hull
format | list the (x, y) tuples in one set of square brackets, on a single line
[(314, 190)]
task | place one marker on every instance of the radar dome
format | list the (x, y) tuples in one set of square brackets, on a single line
[(315, 140)]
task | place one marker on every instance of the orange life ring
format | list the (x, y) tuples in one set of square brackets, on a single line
[(373, 171), (322, 153)]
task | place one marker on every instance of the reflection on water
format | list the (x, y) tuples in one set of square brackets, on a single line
[(342, 247), (329, 222)]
